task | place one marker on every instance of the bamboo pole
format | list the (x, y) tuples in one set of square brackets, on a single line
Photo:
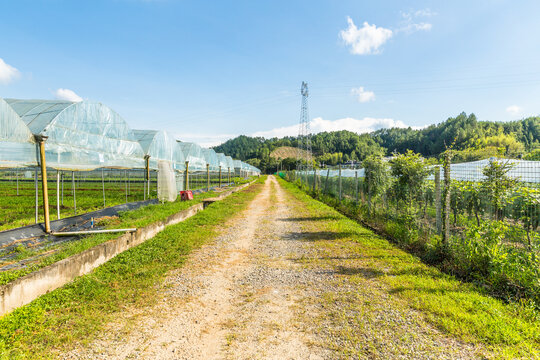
[(44, 189)]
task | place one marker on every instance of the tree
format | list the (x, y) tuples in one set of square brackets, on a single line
[(376, 176)]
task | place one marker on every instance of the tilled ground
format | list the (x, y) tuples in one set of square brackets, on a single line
[(265, 289)]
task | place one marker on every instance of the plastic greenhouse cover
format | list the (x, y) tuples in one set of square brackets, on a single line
[(17, 148), (160, 145), (81, 136), (230, 162), (222, 161), (237, 164), (194, 155), (211, 158)]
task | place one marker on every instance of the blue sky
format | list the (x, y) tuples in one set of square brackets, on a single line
[(210, 70)]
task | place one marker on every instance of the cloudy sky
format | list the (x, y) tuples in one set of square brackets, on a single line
[(210, 70)]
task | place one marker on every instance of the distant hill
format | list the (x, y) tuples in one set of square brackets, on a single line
[(284, 152)]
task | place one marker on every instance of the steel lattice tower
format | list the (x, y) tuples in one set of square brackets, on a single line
[(304, 131)]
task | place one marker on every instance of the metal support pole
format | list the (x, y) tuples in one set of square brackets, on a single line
[(339, 182), (17, 175), (219, 175), (103, 185), (36, 188), (207, 177), (229, 176), (126, 185), (57, 194), (73, 190), (44, 189), (129, 182), (146, 176), (186, 177), (62, 178), (314, 179)]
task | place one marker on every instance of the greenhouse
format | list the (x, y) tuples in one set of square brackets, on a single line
[(16, 140), (211, 159), (193, 154), (161, 145), (79, 136)]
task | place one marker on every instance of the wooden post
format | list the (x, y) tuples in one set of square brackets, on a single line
[(219, 175), (44, 189), (207, 177), (229, 176), (17, 174), (438, 198), (186, 177), (446, 199), (339, 182)]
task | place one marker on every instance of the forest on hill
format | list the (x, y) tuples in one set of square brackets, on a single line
[(471, 139)]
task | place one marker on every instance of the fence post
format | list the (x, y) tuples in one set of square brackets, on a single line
[(314, 179), (339, 182), (229, 175), (438, 198), (17, 174), (186, 177), (356, 184), (207, 177), (446, 208), (219, 175), (62, 179), (126, 184)]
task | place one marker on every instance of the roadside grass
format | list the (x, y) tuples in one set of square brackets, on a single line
[(76, 312), (461, 310)]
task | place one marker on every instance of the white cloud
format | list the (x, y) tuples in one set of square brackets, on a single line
[(366, 40), (513, 110), (318, 125), (410, 24), (362, 95), (66, 94), (7, 72)]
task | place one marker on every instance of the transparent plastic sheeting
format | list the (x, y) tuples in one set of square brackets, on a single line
[(85, 136), (194, 154), (222, 161), (523, 170), (81, 136), (211, 159), (166, 182), (161, 145)]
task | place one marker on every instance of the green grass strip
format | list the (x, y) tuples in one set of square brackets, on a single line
[(77, 311), (460, 309)]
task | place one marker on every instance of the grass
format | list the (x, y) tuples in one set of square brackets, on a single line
[(461, 310), (77, 311)]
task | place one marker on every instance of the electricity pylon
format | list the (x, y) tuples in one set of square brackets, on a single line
[(304, 132)]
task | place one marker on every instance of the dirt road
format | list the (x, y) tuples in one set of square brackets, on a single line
[(251, 294)]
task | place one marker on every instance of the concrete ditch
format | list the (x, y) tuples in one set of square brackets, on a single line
[(24, 290)]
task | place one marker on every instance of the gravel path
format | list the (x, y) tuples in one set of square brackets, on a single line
[(253, 293)]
